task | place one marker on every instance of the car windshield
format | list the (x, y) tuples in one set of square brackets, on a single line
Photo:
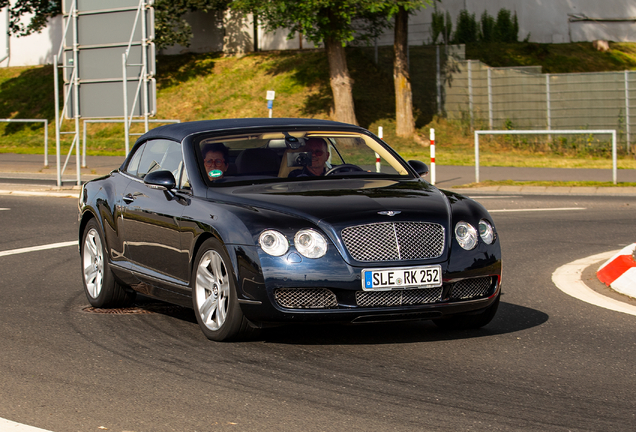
[(296, 156)]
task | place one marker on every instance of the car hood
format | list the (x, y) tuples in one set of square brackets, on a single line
[(345, 202)]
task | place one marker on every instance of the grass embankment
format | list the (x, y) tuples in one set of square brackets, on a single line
[(209, 86)]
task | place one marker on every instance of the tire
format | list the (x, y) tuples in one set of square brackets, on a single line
[(100, 286), (214, 297), (465, 322)]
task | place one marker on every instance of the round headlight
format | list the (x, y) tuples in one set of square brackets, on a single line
[(310, 244), (466, 235), (486, 232), (273, 242)]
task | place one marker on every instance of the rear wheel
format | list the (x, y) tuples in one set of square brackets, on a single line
[(214, 296), (100, 286), (464, 322)]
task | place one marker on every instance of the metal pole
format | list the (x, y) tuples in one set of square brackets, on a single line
[(8, 56), (490, 98), (470, 93), (57, 120), (549, 108), (376, 50), (627, 131), (614, 172), (438, 82), (46, 143), (144, 56), (476, 157), (76, 84), (84, 146), (125, 77), (432, 138)]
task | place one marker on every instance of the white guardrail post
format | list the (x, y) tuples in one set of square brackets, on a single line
[(548, 132)]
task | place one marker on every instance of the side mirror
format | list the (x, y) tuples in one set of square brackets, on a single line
[(420, 167), (162, 179)]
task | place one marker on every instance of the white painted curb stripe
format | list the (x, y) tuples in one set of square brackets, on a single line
[(536, 209), (38, 248), (8, 425), (568, 279)]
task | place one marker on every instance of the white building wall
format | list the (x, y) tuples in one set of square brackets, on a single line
[(30, 50), (546, 21)]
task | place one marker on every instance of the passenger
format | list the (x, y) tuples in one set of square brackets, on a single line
[(319, 156), (215, 158)]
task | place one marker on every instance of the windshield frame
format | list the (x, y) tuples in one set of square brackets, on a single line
[(387, 153)]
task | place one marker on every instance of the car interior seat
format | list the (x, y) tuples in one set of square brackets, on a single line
[(257, 161)]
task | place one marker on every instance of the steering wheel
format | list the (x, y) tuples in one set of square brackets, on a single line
[(343, 168)]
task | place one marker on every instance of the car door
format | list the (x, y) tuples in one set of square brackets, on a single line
[(151, 218)]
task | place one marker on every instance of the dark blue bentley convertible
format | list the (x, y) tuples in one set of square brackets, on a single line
[(257, 222)]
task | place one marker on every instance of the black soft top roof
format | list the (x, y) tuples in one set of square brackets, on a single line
[(178, 131)]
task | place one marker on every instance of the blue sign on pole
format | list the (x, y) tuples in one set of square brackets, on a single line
[(270, 104)]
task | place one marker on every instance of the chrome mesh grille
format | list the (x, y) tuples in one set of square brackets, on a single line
[(471, 288), (305, 298), (398, 297), (394, 241)]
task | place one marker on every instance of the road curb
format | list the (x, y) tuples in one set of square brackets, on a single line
[(41, 193), (567, 278), (619, 272)]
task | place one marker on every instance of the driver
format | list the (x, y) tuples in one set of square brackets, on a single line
[(319, 156), (215, 158)]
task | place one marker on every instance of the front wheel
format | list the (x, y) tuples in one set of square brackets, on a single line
[(100, 286), (214, 298), (465, 322)]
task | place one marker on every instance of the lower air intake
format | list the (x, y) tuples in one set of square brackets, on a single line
[(471, 288), (305, 298), (398, 298)]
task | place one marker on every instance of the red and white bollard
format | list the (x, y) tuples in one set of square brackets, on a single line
[(619, 272), (432, 156)]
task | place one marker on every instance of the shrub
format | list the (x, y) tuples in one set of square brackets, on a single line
[(506, 27), (487, 30), (441, 27), (466, 28)]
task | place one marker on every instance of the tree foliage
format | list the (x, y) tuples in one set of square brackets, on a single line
[(41, 11), (170, 27), (319, 20)]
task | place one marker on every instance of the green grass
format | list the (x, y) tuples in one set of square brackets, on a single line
[(556, 58), (211, 86)]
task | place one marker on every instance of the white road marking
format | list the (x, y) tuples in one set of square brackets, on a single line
[(568, 279), (38, 248), (536, 209), (8, 425), (4, 209)]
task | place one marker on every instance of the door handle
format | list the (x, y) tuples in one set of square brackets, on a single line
[(128, 198)]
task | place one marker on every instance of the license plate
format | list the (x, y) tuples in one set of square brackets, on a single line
[(399, 278)]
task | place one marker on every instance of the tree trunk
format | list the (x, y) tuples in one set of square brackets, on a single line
[(341, 83), (403, 95)]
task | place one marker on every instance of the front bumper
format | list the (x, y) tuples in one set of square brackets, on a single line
[(295, 289)]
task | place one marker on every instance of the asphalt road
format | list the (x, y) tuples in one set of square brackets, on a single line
[(547, 361)]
